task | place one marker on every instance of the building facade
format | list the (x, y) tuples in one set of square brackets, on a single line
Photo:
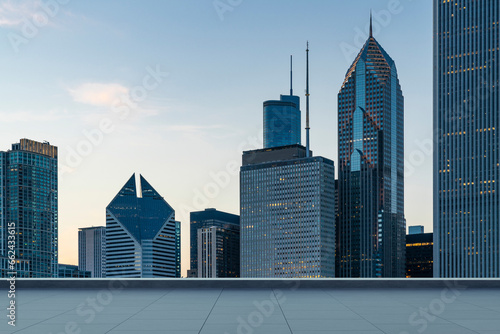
[(371, 223), (282, 121), (218, 252), (287, 203), (92, 250), (419, 255), (466, 139), (142, 236), (222, 231), (72, 271), (416, 229), (29, 208)]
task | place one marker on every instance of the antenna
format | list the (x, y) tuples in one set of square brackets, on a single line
[(308, 152), (291, 75), (371, 25)]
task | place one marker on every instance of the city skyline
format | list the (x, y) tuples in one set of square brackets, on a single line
[(212, 122)]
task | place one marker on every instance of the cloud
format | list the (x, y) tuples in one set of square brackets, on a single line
[(192, 128), (99, 94), (32, 116), (13, 13)]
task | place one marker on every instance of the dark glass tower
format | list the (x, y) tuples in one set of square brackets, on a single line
[(466, 142), (419, 250), (371, 224), (142, 236), (282, 120), (28, 198), (216, 227)]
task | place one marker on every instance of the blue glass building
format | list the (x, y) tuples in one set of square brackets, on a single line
[(28, 201), (142, 236), (371, 225), (215, 238), (282, 121), (466, 142)]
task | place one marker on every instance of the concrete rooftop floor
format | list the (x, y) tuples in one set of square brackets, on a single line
[(455, 309)]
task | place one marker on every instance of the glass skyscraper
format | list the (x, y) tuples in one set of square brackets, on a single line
[(466, 142), (282, 121), (287, 204), (92, 250), (142, 236), (371, 224), (215, 239), (28, 201)]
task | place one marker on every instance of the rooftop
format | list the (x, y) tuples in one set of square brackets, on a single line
[(222, 306)]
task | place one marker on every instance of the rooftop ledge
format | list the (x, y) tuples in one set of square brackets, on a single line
[(252, 283)]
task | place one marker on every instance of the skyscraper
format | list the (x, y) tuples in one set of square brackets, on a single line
[(371, 224), (215, 239), (92, 250), (466, 141), (142, 236), (287, 214), (287, 206), (282, 119), (28, 202)]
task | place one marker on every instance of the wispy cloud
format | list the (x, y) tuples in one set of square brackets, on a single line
[(191, 128), (32, 116), (13, 13), (99, 94)]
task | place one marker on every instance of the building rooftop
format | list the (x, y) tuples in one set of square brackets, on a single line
[(297, 306)]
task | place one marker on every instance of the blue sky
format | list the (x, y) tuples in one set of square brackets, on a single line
[(174, 89)]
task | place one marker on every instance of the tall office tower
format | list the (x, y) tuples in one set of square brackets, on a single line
[(287, 206), (220, 230), (28, 203), (419, 253), (142, 236), (371, 227), (287, 214), (466, 142), (282, 119), (92, 250)]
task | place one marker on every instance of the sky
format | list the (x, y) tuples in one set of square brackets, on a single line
[(173, 90)]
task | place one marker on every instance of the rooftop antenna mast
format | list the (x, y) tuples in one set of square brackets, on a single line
[(308, 152), (371, 24), (291, 75)]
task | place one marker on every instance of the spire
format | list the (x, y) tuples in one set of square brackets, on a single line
[(371, 25), (308, 153), (291, 75)]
